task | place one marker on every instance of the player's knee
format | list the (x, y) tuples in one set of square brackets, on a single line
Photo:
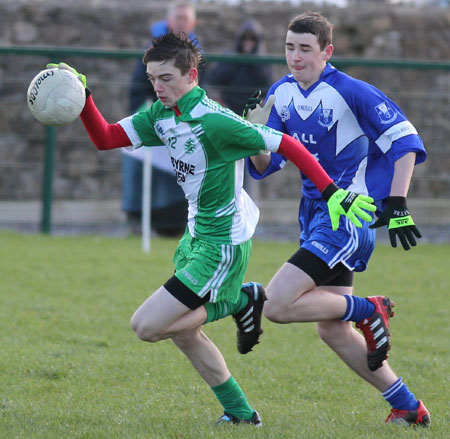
[(273, 311), (143, 330)]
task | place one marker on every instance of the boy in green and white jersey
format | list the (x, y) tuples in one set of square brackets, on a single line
[(207, 144)]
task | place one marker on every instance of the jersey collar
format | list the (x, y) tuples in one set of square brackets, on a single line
[(329, 68), (187, 102), (326, 71)]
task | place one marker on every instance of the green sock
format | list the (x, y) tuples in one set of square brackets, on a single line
[(216, 311), (233, 400)]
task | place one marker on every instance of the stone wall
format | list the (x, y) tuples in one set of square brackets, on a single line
[(81, 171)]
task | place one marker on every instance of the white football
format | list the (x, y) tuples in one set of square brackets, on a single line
[(56, 97)]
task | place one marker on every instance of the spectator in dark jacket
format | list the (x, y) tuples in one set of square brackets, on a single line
[(232, 83)]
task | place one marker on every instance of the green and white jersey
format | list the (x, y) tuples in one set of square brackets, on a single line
[(207, 144)]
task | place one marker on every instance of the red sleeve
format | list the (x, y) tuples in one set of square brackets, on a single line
[(305, 161), (103, 134)]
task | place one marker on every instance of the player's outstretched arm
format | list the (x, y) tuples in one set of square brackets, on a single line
[(340, 201), (103, 134)]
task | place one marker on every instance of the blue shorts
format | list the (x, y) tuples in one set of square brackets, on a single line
[(349, 245)]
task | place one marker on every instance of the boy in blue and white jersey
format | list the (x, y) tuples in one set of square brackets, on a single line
[(366, 144), (355, 131)]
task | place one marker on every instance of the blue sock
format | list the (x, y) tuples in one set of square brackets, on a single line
[(399, 396), (358, 308)]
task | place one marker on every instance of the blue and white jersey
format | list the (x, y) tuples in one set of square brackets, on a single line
[(354, 131)]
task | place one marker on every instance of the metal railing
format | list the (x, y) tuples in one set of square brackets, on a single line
[(339, 62)]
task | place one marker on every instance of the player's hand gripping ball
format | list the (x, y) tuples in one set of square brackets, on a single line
[(56, 96)]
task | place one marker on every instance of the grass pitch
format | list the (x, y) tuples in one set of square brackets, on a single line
[(71, 367)]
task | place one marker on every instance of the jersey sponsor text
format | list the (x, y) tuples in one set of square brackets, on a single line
[(182, 169)]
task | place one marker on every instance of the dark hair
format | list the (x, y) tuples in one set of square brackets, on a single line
[(174, 46), (313, 23)]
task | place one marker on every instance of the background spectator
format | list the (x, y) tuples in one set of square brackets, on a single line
[(168, 207), (234, 82)]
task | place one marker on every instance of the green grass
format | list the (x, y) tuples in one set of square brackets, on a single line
[(71, 367)]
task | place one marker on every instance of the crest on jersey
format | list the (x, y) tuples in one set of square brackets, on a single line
[(189, 146), (326, 117), (285, 113), (385, 112)]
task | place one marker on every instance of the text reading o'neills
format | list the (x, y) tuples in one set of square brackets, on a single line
[(34, 91)]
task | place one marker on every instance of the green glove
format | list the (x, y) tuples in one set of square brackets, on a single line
[(343, 202), (399, 221), (64, 66)]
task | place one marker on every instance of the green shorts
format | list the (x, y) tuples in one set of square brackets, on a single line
[(207, 267)]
